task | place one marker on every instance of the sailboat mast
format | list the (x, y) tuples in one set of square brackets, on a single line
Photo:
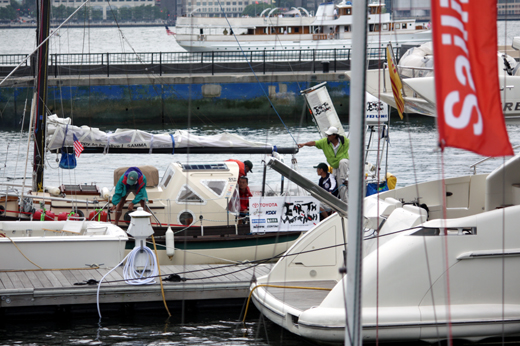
[(353, 329), (42, 58)]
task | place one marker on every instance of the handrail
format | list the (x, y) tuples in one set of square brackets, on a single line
[(474, 166)]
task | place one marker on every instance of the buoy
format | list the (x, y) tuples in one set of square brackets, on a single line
[(170, 243), (94, 216), (64, 216), (43, 215)]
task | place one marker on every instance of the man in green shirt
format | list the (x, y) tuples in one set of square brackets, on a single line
[(335, 147)]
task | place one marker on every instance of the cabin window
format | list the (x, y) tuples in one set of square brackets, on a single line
[(167, 177), (451, 231), (216, 186), (280, 30), (404, 25), (273, 30), (187, 195), (289, 30), (347, 28), (349, 11), (385, 26), (234, 3), (296, 30)]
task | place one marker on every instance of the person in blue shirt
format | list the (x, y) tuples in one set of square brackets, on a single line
[(328, 183), (132, 181)]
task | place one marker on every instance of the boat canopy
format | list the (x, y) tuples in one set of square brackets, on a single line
[(60, 134)]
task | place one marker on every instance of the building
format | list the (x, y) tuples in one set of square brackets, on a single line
[(419, 9), (508, 8), (103, 5), (212, 8)]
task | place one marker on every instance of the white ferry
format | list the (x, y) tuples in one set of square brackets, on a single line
[(329, 29)]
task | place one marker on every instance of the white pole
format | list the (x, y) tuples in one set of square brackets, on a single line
[(353, 330)]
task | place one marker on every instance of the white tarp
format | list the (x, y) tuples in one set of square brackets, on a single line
[(124, 138), (278, 214)]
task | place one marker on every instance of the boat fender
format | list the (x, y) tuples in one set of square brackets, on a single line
[(170, 243), (43, 215), (98, 215), (53, 190), (105, 193)]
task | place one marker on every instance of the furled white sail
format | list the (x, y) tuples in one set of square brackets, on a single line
[(58, 129)]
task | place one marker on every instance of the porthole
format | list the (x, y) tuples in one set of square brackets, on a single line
[(186, 218)]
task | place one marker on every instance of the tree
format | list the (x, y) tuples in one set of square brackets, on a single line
[(255, 9)]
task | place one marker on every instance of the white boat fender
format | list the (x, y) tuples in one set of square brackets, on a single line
[(105, 193), (53, 190), (170, 243)]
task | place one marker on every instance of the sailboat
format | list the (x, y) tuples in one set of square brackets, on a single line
[(197, 201), (439, 262)]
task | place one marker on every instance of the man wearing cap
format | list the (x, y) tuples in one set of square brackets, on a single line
[(328, 183), (335, 147), (132, 181), (243, 167)]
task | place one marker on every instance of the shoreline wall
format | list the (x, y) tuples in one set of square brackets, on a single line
[(174, 100)]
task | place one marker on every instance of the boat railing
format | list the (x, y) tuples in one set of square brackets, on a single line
[(474, 166), (180, 62)]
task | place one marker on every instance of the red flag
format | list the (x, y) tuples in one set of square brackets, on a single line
[(78, 147), (469, 111)]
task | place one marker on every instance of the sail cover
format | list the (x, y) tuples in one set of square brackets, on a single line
[(60, 133)]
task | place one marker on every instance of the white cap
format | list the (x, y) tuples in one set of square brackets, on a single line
[(331, 131)]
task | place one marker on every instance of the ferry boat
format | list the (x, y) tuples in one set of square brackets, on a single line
[(331, 28)]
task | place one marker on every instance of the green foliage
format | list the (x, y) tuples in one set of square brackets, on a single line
[(255, 9)]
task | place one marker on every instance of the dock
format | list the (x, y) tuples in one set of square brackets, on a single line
[(68, 287)]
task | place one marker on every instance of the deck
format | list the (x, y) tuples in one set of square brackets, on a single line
[(69, 287), (299, 298)]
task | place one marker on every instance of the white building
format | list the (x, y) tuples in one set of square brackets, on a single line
[(212, 8)]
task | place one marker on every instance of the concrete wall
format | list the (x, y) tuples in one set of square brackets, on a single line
[(174, 100)]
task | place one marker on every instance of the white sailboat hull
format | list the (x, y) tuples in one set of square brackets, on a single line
[(96, 243)]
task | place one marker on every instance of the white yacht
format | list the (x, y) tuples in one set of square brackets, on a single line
[(427, 275), (331, 28)]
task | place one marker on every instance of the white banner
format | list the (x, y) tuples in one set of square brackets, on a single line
[(281, 214)]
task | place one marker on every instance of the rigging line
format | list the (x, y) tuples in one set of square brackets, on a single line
[(43, 42), (254, 73), (21, 137), (445, 250)]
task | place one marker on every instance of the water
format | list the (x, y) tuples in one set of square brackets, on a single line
[(413, 158), (138, 39)]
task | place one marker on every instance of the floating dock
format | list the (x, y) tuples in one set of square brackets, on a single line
[(57, 288)]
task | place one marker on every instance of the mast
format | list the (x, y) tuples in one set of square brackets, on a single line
[(353, 328), (42, 57)]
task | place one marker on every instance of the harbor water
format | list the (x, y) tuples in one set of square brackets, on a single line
[(413, 157)]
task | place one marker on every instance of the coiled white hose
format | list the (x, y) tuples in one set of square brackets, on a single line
[(130, 273), (134, 277)]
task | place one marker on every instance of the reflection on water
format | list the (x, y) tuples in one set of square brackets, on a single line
[(194, 326)]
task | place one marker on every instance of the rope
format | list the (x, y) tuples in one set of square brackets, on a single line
[(160, 281), (12, 241)]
